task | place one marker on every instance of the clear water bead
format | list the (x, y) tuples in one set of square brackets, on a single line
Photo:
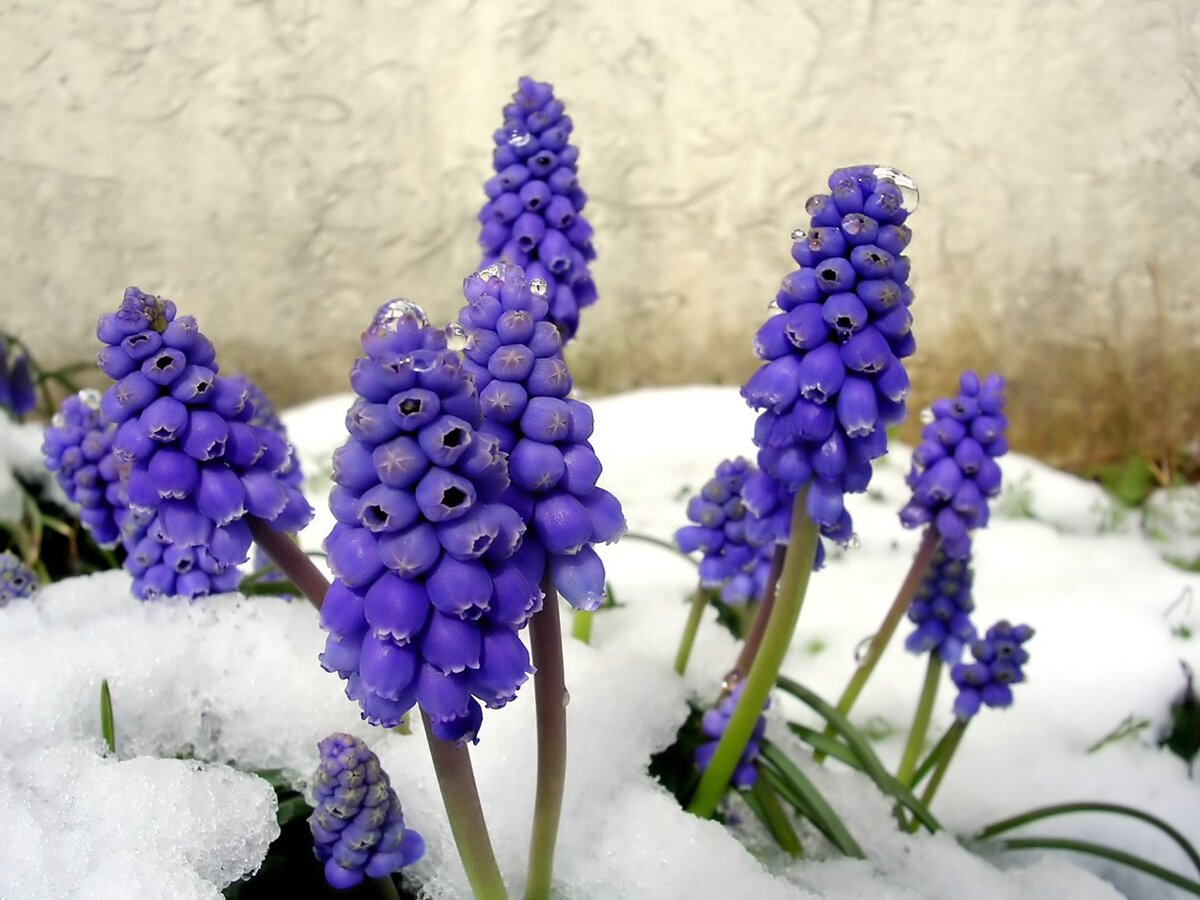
[(456, 337), (519, 138), (392, 313), (908, 187), (538, 286), (90, 397), (798, 234), (927, 416), (495, 270)]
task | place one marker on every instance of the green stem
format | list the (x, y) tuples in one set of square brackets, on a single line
[(550, 700), (931, 760), (920, 726), (879, 641), (292, 561), (1109, 853), (581, 625), (793, 583), (759, 626), (460, 796), (776, 818), (688, 638), (953, 737)]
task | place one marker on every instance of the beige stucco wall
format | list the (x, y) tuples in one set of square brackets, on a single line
[(280, 168)]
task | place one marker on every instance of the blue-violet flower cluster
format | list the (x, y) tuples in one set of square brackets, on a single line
[(357, 824), (197, 467), (999, 658), (17, 392), (832, 380), (736, 556), (17, 580), (428, 598), (534, 214), (514, 354), (954, 468), (714, 723), (942, 609), (77, 447)]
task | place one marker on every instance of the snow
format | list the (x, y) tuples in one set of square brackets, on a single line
[(235, 680), (21, 455)]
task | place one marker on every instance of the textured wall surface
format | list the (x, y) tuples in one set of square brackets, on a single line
[(281, 168)]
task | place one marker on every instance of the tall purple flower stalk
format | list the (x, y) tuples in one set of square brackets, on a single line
[(17, 391), (514, 354), (77, 447), (534, 214), (999, 663), (954, 468), (832, 380), (357, 824), (942, 609), (194, 467), (429, 599)]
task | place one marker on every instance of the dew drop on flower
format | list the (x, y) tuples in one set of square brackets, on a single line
[(855, 543), (908, 187), (538, 286), (730, 681), (58, 420), (395, 311), (495, 270), (456, 337), (519, 138), (90, 397), (774, 307), (927, 416), (566, 697), (798, 234)]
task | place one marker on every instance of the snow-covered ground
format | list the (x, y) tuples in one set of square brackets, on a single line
[(229, 679)]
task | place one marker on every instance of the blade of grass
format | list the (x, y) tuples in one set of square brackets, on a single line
[(108, 725), (931, 760), (820, 807), (827, 745), (859, 744), (763, 800), (1060, 809), (1109, 853)]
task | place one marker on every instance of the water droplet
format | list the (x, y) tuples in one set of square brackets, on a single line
[(815, 204), (798, 234), (908, 188), (518, 138), (927, 416), (855, 543), (538, 286), (730, 682), (495, 270), (861, 647), (90, 397), (422, 360), (566, 697), (774, 307), (58, 420), (456, 337), (392, 313)]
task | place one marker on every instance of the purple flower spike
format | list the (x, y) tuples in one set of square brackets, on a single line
[(423, 550), (954, 469), (16, 376), (78, 450), (553, 468), (357, 823), (714, 723), (999, 660), (193, 454), (17, 580), (831, 379), (942, 609), (533, 217)]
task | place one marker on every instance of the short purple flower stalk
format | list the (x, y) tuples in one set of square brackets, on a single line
[(17, 580), (17, 390), (429, 597), (832, 378), (534, 214), (200, 474), (954, 469), (514, 354), (999, 660), (714, 723), (357, 825), (78, 449), (942, 609)]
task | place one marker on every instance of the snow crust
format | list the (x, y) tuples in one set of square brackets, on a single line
[(235, 680)]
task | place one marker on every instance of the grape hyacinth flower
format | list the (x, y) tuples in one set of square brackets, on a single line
[(17, 392), (534, 214), (832, 380), (78, 449), (954, 469), (17, 580), (942, 609), (357, 824), (999, 660), (198, 470), (428, 599), (514, 354), (736, 557), (714, 723)]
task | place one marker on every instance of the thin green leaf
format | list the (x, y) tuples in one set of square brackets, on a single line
[(291, 809), (658, 542), (1109, 853), (795, 798), (827, 745), (931, 760), (823, 815), (275, 778), (108, 725), (1060, 809), (763, 800), (859, 744)]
